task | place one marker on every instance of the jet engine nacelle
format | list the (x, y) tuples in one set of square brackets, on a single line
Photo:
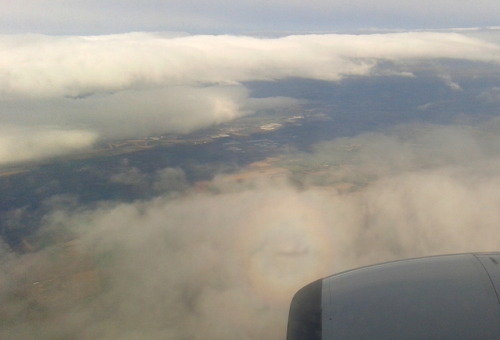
[(440, 297)]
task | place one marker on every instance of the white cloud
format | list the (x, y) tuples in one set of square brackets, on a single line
[(43, 66), (138, 84), (130, 113), (25, 144), (158, 110)]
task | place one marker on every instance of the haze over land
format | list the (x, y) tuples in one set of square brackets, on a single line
[(184, 185)]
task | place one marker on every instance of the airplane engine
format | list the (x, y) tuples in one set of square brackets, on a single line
[(439, 297)]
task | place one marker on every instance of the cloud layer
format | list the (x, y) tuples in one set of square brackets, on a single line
[(44, 66), (27, 144), (138, 84), (223, 261)]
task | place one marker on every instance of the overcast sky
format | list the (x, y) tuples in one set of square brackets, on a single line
[(238, 16)]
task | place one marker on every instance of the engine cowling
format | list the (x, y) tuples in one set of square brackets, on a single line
[(439, 297)]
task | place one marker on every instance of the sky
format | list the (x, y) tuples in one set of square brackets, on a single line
[(91, 17), (221, 259)]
